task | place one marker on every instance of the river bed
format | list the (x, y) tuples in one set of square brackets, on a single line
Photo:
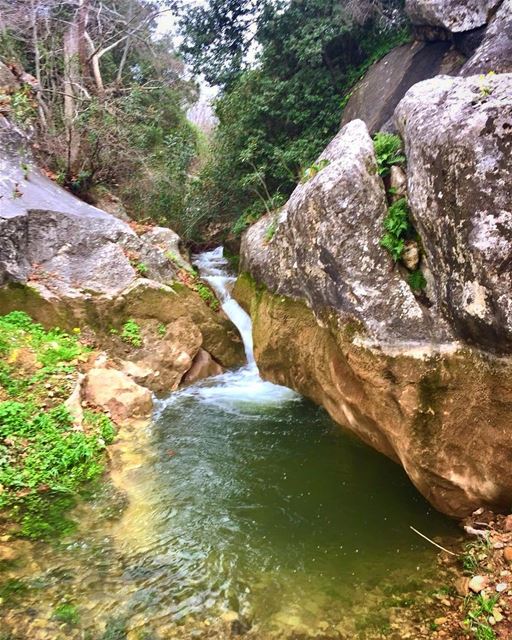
[(241, 510)]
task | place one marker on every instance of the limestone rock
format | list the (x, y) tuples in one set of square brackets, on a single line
[(495, 51), (113, 391), (326, 248), (458, 138), (334, 320), (375, 97), (453, 15)]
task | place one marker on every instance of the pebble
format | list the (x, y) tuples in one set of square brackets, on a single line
[(507, 525), (501, 586), (507, 554), (478, 583)]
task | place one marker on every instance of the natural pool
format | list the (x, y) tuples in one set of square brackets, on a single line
[(243, 509)]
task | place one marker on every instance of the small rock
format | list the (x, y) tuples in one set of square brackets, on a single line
[(440, 621), (507, 525), (7, 553), (507, 554), (478, 583), (462, 586), (501, 586), (411, 255), (229, 616)]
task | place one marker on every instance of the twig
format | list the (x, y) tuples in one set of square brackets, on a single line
[(432, 542)]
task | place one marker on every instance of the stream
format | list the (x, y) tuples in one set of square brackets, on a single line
[(242, 509)]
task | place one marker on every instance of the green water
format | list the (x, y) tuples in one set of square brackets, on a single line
[(242, 499)]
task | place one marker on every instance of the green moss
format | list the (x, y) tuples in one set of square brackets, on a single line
[(67, 613)]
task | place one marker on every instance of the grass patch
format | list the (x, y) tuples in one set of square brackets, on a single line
[(44, 457), (67, 613)]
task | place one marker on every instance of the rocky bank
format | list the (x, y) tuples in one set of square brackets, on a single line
[(422, 374)]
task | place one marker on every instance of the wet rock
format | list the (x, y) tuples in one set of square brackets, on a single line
[(115, 392), (495, 51), (203, 366), (452, 15)]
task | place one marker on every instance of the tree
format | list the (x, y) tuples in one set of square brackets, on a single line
[(276, 114)]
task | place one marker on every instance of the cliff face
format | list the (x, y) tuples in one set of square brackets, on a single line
[(423, 376)]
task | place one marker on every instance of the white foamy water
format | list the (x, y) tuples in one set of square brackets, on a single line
[(241, 389)]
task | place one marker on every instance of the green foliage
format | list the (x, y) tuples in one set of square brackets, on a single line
[(416, 280), (161, 329), (23, 106), (313, 169), (130, 333), (388, 149), (275, 118), (207, 295), (479, 610), (44, 458), (397, 227), (67, 613), (142, 268), (271, 229)]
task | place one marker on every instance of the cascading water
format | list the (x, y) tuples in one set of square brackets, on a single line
[(244, 385), (242, 500)]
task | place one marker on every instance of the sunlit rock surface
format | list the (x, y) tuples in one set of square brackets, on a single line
[(424, 379)]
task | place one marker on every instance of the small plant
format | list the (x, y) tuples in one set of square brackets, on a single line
[(208, 296), (131, 333), (481, 610), (23, 106), (398, 227), (142, 268), (388, 149), (161, 329), (66, 613), (25, 168), (310, 172), (271, 229), (416, 280), (485, 87)]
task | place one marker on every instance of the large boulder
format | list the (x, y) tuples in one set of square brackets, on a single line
[(326, 249), (418, 377), (495, 50), (452, 15), (458, 137), (376, 96)]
